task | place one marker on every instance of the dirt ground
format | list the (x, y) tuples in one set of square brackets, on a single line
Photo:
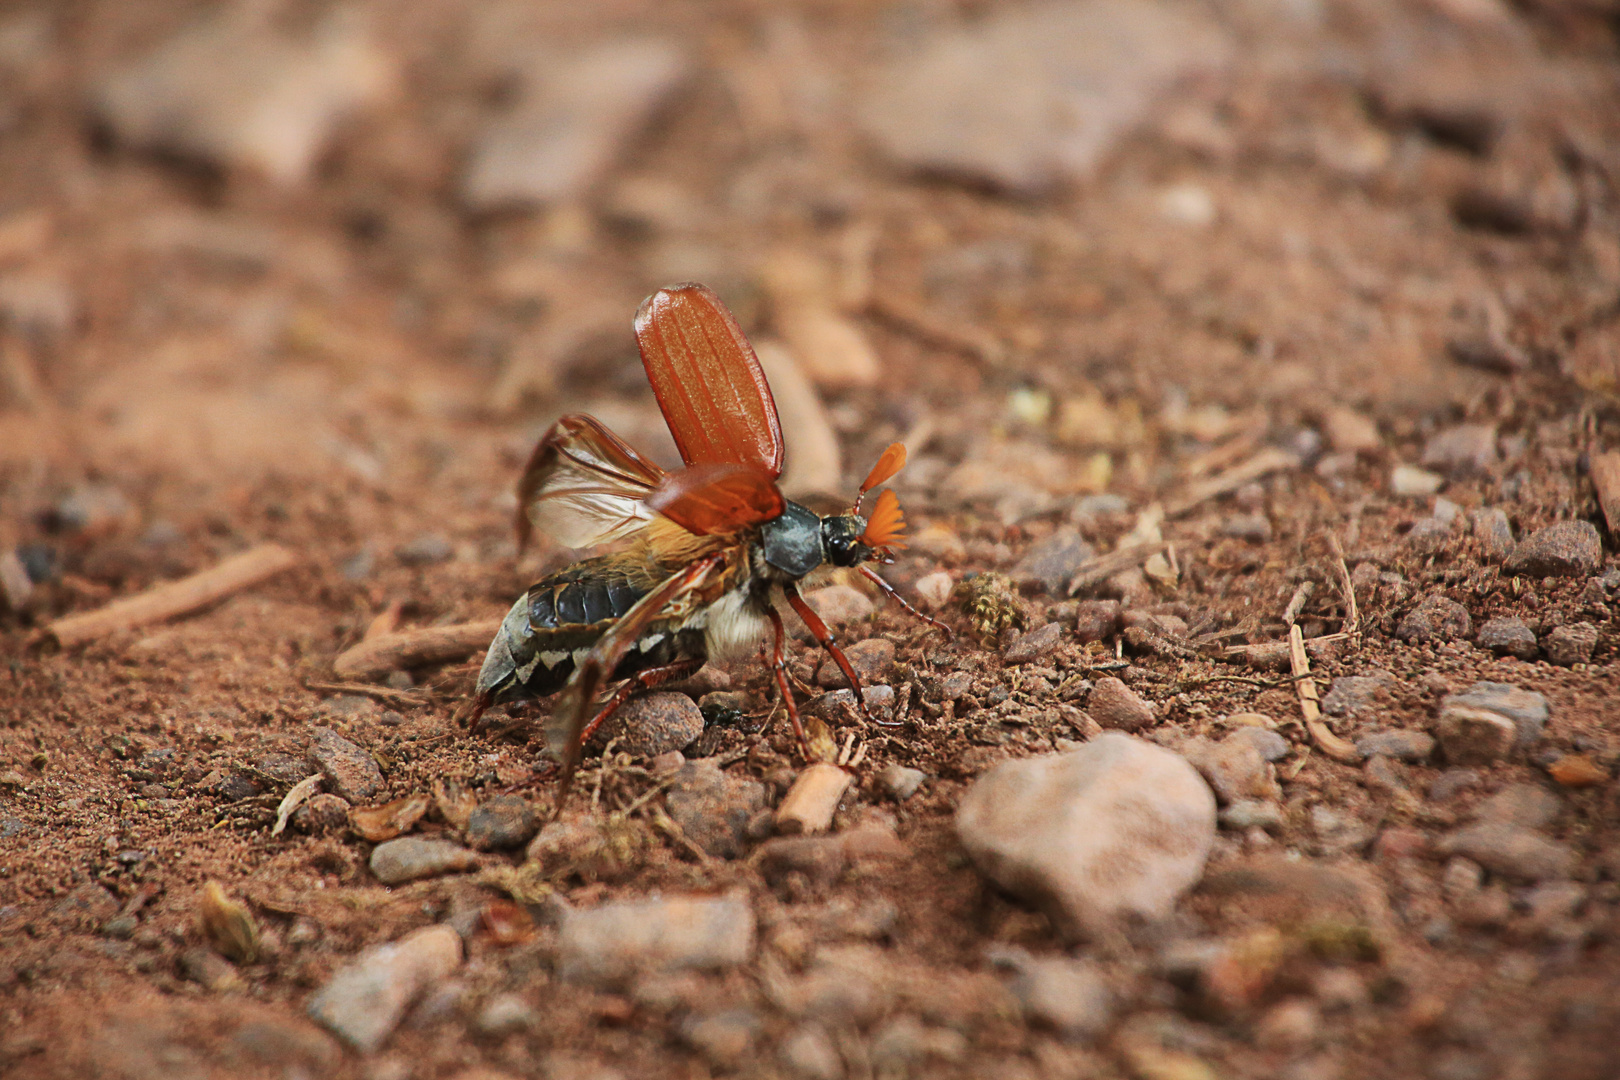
[(1375, 235)]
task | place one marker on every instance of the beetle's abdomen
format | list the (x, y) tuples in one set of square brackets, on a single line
[(551, 628)]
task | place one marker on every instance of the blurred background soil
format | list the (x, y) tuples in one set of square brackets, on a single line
[(319, 274)]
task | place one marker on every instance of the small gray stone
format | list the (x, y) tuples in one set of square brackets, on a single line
[(1564, 549), (425, 550), (1508, 636), (1436, 618), (1493, 532), (1066, 995), (506, 821), (1461, 879), (1428, 536), (1337, 830), (872, 659), (1096, 620), (350, 771), (1115, 705), (1116, 827), (1453, 782), (1464, 450), (1359, 696), (1572, 644), (1050, 563), (1034, 644), (1401, 744), (1233, 767), (121, 927), (1527, 806), (1408, 480), (408, 858), (505, 1014), (209, 970), (1255, 528), (1512, 851), (839, 605), (653, 724), (1526, 710), (1246, 814), (900, 782), (608, 944), (1475, 736), (713, 808), (1271, 746), (363, 1002)]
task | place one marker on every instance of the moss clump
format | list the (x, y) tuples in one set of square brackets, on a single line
[(992, 604)]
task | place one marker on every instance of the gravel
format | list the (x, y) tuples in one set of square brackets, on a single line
[(1050, 563), (1573, 644), (1512, 851), (1115, 705), (1508, 635), (608, 944), (1033, 645), (1436, 618), (1564, 549), (1068, 996), (349, 771), (411, 857), (1414, 746), (653, 724), (364, 1001), (872, 659), (713, 808), (504, 822)]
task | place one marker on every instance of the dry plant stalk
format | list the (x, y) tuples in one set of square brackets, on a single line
[(933, 329), (378, 656), (1100, 568), (1264, 463), (1309, 704), (228, 925), (175, 597), (809, 805), (1605, 473)]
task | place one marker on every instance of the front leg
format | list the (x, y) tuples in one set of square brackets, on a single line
[(824, 638)]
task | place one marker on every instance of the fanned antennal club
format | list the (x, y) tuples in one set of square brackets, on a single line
[(889, 462)]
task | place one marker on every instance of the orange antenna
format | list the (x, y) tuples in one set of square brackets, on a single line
[(889, 462), (887, 525)]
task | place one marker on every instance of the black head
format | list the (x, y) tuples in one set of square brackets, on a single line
[(841, 536)]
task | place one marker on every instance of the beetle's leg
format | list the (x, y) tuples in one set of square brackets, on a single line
[(779, 669), (888, 590), (641, 680), (824, 638)]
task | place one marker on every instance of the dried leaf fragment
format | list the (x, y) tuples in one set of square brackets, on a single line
[(295, 798), (379, 823), (228, 925)]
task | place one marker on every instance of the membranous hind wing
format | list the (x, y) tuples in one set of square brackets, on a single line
[(572, 711), (707, 380), (584, 486)]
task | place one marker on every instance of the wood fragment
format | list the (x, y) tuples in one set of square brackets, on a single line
[(412, 648), (809, 805), (935, 330), (380, 693), (1605, 473), (1264, 463), (1099, 568), (1321, 735), (295, 798), (173, 598)]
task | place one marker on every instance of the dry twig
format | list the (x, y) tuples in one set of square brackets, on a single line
[(1267, 461), (1309, 704), (935, 330), (173, 598), (412, 648), (1100, 568)]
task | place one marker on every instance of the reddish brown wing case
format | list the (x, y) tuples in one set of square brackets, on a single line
[(707, 380)]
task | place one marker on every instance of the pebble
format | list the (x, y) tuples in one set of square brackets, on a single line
[(872, 659), (1512, 851), (1026, 99), (1245, 814), (425, 550), (506, 821), (810, 1054), (505, 1014), (1117, 827), (1115, 705), (1400, 744), (1461, 879), (1290, 1025), (1096, 620), (363, 1002), (1428, 536), (819, 860), (1563, 549), (350, 772), (1233, 767), (904, 1043), (1508, 635), (236, 91), (1572, 644), (1068, 996), (322, 814), (900, 782), (1491, 528), (1527, 806), (1337, 830), (608, 944), (1488, 721), (713, 808), (725, 1037), (1464, 450), (1453, 782), (411, 857), (934, 590), (209, 970), (289, 1042), (585, 848), (653, 724), (1436, 618), (571, 124), (839, 604), (1411, 481), (1270, 745), (1052, 562), (1034, 644), (1254, 528), (1359, 695)]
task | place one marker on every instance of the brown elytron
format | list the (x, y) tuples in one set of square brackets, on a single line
[(701, 552)]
